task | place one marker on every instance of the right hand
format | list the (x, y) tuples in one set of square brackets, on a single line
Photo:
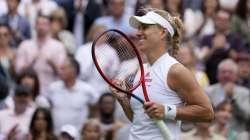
[(12, 133), (118, 94)]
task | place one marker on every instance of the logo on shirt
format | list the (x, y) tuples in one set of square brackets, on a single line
[(148, 79)]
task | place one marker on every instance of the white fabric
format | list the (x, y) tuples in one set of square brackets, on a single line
[(194, 19), (4, 8), (70, 106), (70, 130), (8, 119), (170, 111), (143, 128), (89, 72), (30, 10), (151, 18)]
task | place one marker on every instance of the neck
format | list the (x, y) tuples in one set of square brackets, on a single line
[(41, 38), (13, 12), (107, 118), (70, 82), (152, 56)]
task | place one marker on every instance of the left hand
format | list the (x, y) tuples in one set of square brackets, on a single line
[(154, 110)]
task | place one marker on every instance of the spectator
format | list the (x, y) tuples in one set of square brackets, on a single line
[(86, 12), (32, 8), (91, 130), (240, 22), (226, 89), (223, 115), (187, 57), (118, 18), (68, 132), (243, 61), (245, 135), (29, 78), (175, 7), (83, 56), (41, 126), (70, 97), (4, 91), (14, 123), (109, 125), (7, 54), (43, 54), (201, 22), (220, 45), (201, 132), (58, 25), (19, 24)]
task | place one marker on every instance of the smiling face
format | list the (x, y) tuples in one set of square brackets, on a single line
[(150, 37)]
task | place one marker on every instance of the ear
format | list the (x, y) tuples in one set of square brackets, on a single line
[(163, 34)]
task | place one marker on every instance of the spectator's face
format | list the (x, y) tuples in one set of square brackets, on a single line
[(107, 105), (28, 81), (12, 5), (244, 69), (4, 36), (42, 26), (66, 71), (117, 7), (227, 74), (91, 132), (223, 115), (211, 6), (222, 21), (21, 103), (56, 24), (40, 122)]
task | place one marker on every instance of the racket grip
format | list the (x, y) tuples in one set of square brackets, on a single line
[(164, 130)]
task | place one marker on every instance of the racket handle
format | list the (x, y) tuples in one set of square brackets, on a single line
[(164, 130)]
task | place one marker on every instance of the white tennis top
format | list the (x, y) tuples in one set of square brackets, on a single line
[(143, 128)]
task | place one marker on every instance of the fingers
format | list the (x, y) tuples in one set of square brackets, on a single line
[(154, 110)]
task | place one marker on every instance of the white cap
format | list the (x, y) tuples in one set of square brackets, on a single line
[(151, 18), (70, 130)]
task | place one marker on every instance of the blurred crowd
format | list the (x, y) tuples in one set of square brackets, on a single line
[(50, 89)]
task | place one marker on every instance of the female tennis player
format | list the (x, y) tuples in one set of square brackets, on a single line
[(174, 93)]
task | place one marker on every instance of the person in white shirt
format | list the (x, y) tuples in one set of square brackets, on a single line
[(14, 123), (70, 98), (88, 71), (174, 93)]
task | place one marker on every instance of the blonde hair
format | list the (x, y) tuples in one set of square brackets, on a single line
[(60, 13), (177, 25)]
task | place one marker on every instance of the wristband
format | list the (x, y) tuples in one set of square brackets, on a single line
[(170, 112)]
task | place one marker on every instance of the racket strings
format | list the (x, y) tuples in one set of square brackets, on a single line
[(129, 64)]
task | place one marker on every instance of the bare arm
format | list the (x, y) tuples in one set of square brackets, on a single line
[(124, 100), (197, 108)]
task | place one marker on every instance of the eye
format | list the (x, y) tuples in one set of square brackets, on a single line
[(144, 26)]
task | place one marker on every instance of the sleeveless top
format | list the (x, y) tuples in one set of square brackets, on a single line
[(143, 127)]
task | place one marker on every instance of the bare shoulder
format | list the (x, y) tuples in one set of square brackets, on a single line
[(180, 76)]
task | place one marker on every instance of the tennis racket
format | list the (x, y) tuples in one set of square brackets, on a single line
[(128, 54)]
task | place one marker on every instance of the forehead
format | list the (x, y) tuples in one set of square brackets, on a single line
[(4, 28), (223, 15)]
